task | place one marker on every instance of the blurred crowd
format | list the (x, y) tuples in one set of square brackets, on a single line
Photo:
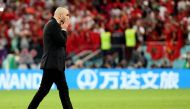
[(159, 24)]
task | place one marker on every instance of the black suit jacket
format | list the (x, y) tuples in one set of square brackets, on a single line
[(54, 50)]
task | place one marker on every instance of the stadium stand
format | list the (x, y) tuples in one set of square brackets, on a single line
[(144, 33)]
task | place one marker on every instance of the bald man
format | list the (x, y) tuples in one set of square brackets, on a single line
[(53, 59)]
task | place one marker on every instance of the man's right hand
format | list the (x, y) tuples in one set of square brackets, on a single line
[(64, 25)]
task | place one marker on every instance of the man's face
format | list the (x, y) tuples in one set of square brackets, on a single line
[(65, 17), (67, 14)]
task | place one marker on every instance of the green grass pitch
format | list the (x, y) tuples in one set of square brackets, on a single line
[(102, 99)]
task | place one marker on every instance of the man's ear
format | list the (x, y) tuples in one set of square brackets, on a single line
[(63, 20), (60, 17)]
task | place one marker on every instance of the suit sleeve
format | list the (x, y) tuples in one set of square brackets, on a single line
[(59, 36)]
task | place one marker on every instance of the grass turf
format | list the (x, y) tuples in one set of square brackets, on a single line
[(102, 99)]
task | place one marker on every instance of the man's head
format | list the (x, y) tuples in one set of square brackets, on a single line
[(61, 14)]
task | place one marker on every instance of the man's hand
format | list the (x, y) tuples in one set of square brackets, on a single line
[(64, 25)]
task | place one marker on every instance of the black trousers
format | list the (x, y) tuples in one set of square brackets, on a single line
[(49, 77)]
